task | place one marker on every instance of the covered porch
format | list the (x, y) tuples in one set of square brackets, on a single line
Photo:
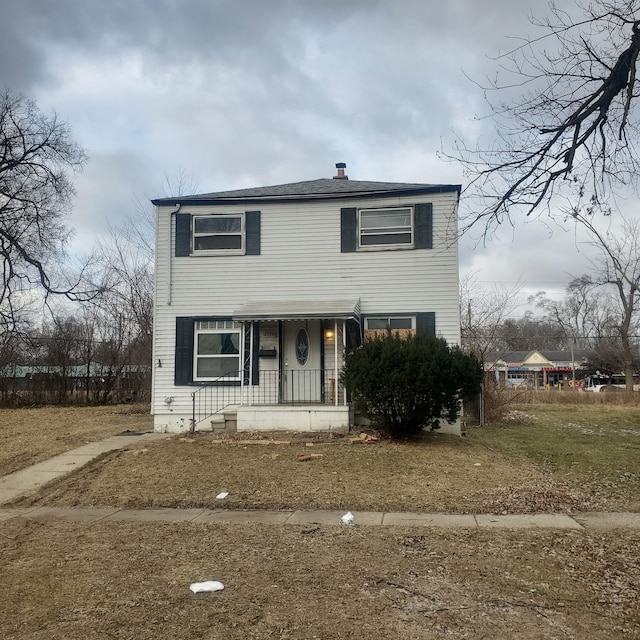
[(292, 354)]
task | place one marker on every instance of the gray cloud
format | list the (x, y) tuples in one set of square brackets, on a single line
[(248, 92)]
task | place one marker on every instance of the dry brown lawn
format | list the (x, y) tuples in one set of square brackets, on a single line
[(131, 581), (127, 580), (440, 473), (28, 436)]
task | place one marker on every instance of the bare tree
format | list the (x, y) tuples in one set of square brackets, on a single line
[(124, 311), (583, 315), (483, 314), (531, 332), (617, 269), (37, 155), (573, 124)]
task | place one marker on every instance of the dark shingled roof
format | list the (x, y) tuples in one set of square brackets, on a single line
[(324, 188)]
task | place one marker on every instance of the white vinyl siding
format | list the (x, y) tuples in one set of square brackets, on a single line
[(300, 259)]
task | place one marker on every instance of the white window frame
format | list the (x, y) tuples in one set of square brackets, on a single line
[(388, 319), (208, 327), (242, 233), (364, 232)]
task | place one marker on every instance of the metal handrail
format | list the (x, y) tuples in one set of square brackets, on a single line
[(220, 386), (277, 387)]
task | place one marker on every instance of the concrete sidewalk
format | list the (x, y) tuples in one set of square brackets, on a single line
[(30, 479), (560, 521)]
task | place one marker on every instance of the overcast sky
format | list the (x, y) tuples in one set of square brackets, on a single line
[(242, 93)]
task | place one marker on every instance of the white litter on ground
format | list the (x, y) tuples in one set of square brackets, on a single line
[(223, 495), (347, 518), (209, 585)]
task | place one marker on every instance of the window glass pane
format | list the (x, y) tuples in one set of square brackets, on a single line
[(202, 243), (391, 323), (381, 220), (216, 367), (218, 343), (400, 323), (385, 238), (377, 323), (218, 224)]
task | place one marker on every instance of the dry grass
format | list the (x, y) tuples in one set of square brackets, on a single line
[(131, 580), (544, 458), (441, 473), (28, 436), (543, 461)]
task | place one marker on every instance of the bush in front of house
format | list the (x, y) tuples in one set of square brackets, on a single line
[(407, 384)]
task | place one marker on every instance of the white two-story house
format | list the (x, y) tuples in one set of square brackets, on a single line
[(260, 291)]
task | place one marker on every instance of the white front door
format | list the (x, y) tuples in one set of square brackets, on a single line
[(301, 373)]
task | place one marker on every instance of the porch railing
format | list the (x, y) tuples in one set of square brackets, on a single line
[(299, 386)]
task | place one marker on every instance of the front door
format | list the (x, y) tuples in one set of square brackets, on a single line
[(301, 373)]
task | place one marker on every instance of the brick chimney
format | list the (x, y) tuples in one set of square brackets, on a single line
[(341, 166)]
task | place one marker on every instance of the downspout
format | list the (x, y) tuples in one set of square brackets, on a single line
[(171, 228)]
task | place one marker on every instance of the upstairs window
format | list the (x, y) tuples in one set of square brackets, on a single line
[(218, 233), (386, 227)]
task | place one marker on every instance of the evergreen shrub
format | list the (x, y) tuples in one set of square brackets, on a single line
[(407, 384)]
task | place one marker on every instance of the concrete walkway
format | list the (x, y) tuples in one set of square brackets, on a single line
[(30, 479)]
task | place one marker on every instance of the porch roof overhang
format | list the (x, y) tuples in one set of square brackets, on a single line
[(337, 309)]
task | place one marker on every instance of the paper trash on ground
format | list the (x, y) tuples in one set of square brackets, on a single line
[(347, 518), (209, 585), (223, 495)]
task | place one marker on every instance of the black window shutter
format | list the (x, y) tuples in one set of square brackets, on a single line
[(354, 334), (348, 230), (183, 234), (252, 229), (424, 225), (184, 351), (426, 323)]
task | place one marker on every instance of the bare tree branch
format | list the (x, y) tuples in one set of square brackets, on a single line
[(37, 155), (576, 128)]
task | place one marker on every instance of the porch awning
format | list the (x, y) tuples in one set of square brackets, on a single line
[(298, 310)]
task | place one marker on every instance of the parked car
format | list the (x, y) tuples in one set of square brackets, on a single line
[(599, 383)]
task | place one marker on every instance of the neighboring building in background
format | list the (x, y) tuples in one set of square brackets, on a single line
[(260, 290), (536, 369)]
